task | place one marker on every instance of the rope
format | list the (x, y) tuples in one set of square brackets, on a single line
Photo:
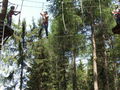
[(20, 13), (100, 9), (81, 4), (11, 3), (76, 35), (42, 6), (33, 1), (63, 18), (29, 6)]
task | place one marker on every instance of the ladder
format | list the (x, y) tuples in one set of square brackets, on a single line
[(1, 34)]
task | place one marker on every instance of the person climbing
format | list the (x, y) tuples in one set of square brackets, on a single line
[(9, 15), (116, 14), (44, 23)]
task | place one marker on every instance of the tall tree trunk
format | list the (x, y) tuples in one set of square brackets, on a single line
[(22, 53), (57, 75), (21, 76), (115, 77), (64, 71), (21, 64), (65, 80), (74, 72), (4, 10), (114, 64), (106, 70), (102, 61), (95, 73), (61, 71)]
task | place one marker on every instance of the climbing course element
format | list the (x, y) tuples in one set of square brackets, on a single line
[(5, 33), (63, 17)]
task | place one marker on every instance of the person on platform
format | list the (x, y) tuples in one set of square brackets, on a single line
[(10, 14)]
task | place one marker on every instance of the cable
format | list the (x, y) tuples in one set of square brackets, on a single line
[(29, 6), (20, 13), (33, 1), (48, 5), (42, 7), (11, 3), (76, 35)]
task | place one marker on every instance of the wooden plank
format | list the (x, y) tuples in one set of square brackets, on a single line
[(7, 32)]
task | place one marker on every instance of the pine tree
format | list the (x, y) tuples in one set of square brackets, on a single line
[(40, 77), (96, 16)]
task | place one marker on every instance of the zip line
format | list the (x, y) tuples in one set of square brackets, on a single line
[(33, 1)]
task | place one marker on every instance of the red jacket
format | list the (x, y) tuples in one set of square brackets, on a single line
[(116, 14), (10, 13)]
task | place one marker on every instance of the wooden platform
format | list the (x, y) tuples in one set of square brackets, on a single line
[(7, 32), (116, 29)]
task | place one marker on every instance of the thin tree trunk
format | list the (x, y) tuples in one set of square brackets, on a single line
[(114, 65), (74, 72), (106, 71), (21, 63), (65, 84), (115, 77), (21, 76), (56, 75), (22, 54), (95, 73), (64, 71)]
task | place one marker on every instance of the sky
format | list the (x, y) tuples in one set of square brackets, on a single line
[(30, 9)]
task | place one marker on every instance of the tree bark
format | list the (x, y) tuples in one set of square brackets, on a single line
[(4, 10), (95, 73), (102, 61), (64, 71), (22, 54), (106, 71), (21, 76), (74, 72), (115, 77)]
